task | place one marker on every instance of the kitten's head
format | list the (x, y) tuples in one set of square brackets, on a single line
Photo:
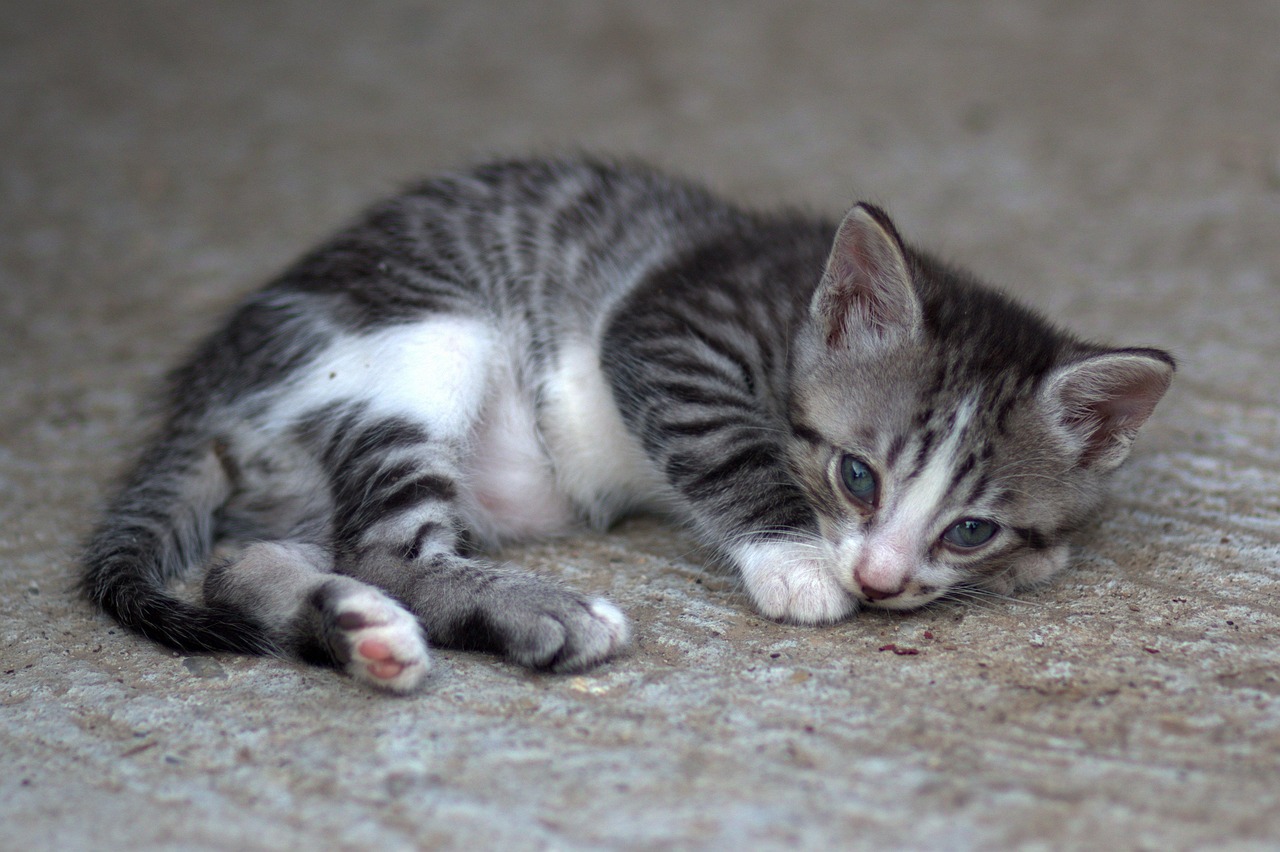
[(946, 437)]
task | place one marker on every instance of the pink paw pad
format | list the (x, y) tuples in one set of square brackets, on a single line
[(382, 659), (387, 647)]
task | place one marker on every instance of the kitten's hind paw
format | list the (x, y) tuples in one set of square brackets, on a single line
[(377, 641)]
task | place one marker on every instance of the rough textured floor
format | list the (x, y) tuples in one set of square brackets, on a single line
[(1117, 163)]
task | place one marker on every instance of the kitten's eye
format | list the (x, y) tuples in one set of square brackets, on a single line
[(858, 480), (971, 532)]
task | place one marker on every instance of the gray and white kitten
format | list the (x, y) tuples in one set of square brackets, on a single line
[(511, 351)]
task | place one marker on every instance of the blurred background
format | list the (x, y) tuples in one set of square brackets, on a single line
[(1115, 163)]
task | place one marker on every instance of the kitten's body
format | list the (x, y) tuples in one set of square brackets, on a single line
[(515, 350)]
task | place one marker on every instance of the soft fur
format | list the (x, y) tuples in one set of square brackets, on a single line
[(513, 350)]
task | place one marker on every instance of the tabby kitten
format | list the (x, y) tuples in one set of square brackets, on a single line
[(510, 351)]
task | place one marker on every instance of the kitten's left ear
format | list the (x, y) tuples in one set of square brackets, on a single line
[(1103, 400), (866, 294)]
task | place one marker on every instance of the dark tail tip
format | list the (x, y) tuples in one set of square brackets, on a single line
[(175, 623)]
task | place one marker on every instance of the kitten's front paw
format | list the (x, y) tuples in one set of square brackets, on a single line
[(1032, 570), (788, 582), (377, 641)]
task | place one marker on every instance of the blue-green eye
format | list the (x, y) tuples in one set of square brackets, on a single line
[(971, 532), (858, 480)]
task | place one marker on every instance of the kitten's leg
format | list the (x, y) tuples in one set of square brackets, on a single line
[(397, 494), (322, 617), (694, 390), (474, 604)]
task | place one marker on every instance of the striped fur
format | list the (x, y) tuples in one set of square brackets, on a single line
[(513, 350)]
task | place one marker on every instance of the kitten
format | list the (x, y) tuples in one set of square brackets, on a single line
[(511, 351)]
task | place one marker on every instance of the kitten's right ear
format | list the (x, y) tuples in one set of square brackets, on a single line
[(866, 294)]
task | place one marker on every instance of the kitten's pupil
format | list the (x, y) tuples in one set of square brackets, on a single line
[(858, 480), (971, 532)]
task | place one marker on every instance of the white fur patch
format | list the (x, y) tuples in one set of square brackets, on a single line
[(598, 464), (918, 503), (435, 372), (512, 483), (792, 581)]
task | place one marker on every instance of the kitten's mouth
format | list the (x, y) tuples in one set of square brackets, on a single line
[(901, 601)]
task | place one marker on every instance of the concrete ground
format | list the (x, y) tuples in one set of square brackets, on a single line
[(1116, 162)]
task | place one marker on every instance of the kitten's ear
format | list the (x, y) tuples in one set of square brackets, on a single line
[(866, 293), (1103, 400)]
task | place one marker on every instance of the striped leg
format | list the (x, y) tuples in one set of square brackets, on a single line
[(397, 508)]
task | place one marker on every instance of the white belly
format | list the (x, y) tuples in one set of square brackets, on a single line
[(582, 464)]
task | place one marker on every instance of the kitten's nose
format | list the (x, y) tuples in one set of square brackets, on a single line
[(881, 575), (874, 594)]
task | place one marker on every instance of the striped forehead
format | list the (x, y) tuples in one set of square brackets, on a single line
[(932, 462)]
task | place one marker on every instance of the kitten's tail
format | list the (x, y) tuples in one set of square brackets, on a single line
[(160, 525)]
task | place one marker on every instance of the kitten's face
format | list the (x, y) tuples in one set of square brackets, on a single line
[(946, 438), (926, 483)]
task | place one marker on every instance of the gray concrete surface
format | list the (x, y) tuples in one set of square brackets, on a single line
[(1117, 162)]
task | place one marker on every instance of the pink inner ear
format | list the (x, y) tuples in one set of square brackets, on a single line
[(1125, 408), (856, 301), (1110, 397), (865, 286), (1129, 400)]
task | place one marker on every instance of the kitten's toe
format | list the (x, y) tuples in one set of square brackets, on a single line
[(566, 633), (379, 642), (804, 599)]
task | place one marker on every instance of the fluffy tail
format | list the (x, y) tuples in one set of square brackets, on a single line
[(159, 526)]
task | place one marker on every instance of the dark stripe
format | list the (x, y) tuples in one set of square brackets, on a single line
[(410, 493), (473, 633), (1002, 415), (965, 468), (979, 489), (704, 481), (381, 437), (922, 455), (1033, 538), (424, 531), (681, 360), (371, 478), (896, 446), (346, 421), (781, 509), (692, 394), (698, 428), (723, 349), (939, 382), (808, 434)]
